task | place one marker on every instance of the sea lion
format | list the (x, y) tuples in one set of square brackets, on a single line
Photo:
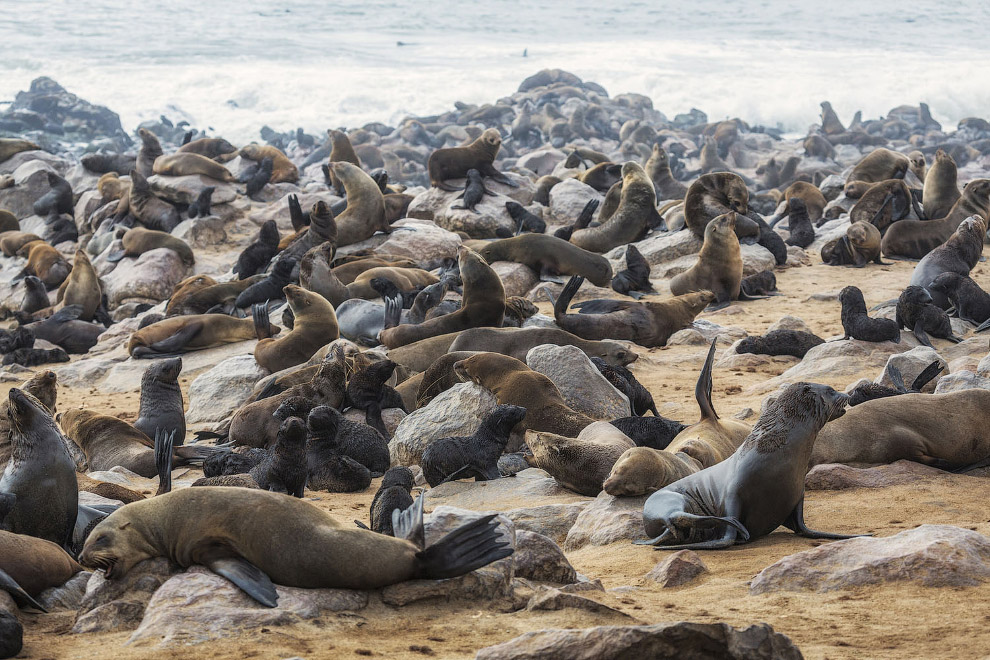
[(514, 383), (160, 405), (719, 268), (283, 171), (859, 246), (642, 470), (184, 289), (601, 176), (210, 147), (885, 203), (40, 474), (64, 329), (816, 146), (454, 163), (29, 565), (830, 121), (710, 440), (183, 163), (394, 493), (181, 334), (754, 491), (941, 189), (582, 463), (814, 200), (549, 255), (348, 271), (137, 241), (32, 357), (152, 212), (45, 262), (315, 326), (367, 390), (11, 146), (856, 324), (365, 213), (714, 195), (780, 342), (285, 540), (878, 165), (315, 274), (483, 304), (517, 342), (474, 192), (648, 324), (42, 386), (635, 278), (959, 254), (269, 287), (658, 169), (918, 164), (322, 228), (283, 469), (971, 303), (58, 199), (256, 257), (475, 456), (404, 279), (150, 150), (635, 214)]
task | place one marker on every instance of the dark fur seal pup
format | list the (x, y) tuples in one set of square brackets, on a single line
[(228, 462), (283, 469), (259, 177), (40, 474), (32, 357), (550, 256), (636, 276), (366, 390), (959, 255), (916, 312), (763, 283), (869, 391), (648, 324), (859, 246), (770, 240), (161, 405), (284, 541), (454, 163), (716, 194), (640, 399), (35, 295), (395, 493), (754, 491), (201, 207), (780, 342), (856, 324), (654, 432), (20, 337), (256, 257), (525, 221), (474, 191), (58, 198), (331, 433), (63, 328), (802, 234), (270, 288), (583, 220), (476, 456), (152, 212), (970, 302)]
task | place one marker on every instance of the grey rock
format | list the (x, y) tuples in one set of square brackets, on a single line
[(837, 476), (911, 363), (789, 322), (67, 597), (550, 520), (217, 393), (517, 279), (607, 520), (423, 241), (30, 183), (527, 490), (581, 384), (201, 232), (151, 276), (568, 198), (539, 558), (185, 189), (678, 569), (119, 604)]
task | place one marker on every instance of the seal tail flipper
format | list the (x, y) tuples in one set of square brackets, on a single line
[(703, 389), (983, 326), (930, 372), (463, 550), (897, 379), (587, 213), (270, 390), (164, 442), (249, 578), (295, 213), (193, 454), (10, 585), (566, 295), (654, 541), (408, 524), (972, 466), (262, 321)]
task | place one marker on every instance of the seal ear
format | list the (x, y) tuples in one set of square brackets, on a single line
[(125, 525)]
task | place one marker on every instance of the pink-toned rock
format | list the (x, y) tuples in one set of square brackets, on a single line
[(678, 569), (836, 476)]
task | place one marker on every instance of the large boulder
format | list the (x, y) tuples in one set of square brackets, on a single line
[(837, 476), (581, 384), (661, 248), (422, 241), (961, 380), (677, 569), (216, 393), (77, 117), (186, 188), (150, 277), (30, 183), (910, 364), (517, 279), (279, 211), (112, 605), (835, 363), (201, 232), (568, 198), (607, 520)]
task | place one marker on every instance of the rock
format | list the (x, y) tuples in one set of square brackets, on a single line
[(731, 359), (983, 368), (550, 520), (455, 412), (568, 198), (831, 186), (517, 279), (541, 161), (11, 630), (151, 276), (119, 604), (911, 363), (67, 597), (201, 232), (607, 520), (581, 384), (530, 488), (216, 393), (837, 476), (830, 231), (539, 558), (126, 376), (789, 322), (488, 220), (835, 363), (423, 241), (88, 204), (539, 321), (703, 331), (79, 119), (929, 556), (199, 606), (677, 569), (186, 188), (83, 373), (57, 163), (547, 598), (660, 640), (962, 380), (30, 183), (756, 259), (661, 248)]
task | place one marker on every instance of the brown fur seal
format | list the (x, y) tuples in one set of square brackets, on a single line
[(947, 431), (941, 186), (33, 565), (201, 299), (316, 275), (11, 242), (635, 214), (716, 194), (711, 440), (349, 271), (517, 342), (959, 254), (643, 470), (483, 304), (45, 262), (549, 255), (830, 121), (283, 169), (150, 149), (405, 279), (658, 169), (216, 148), (341, 151), (719, 268), (365, 213), (812, 197), (11, 146), (601, 176), (8, 221), (512, 382), (913, 239), (315, 326), (139, 240), (151, 211), (918, 164), (754, 491), (454, 163), (42, 386), (184, 289), (885, 203), (181, 164), (581, 464), (417, 356), (859, 246), (82, 287), (648, 324), (181, 334), (878, 165)]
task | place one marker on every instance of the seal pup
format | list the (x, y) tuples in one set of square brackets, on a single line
[(394, 493), (35, 295), (525, 221), (763, 283), (643, 470), (331, 433), (635, 214), (474, 191), (714, 195), (161, 406), (916, 312), (12, 340), (57, 199), (201, 207), (648, 324), (640, 399), (315, 326), (583, 220), (857, 324), (271, 287), (859, 246), (550, 257), (968, 300), (255, 180), (454, 162), (635, 279), (367, 391), (780, 342), (654, 432), (719, 268), (152, 212), (283, 469), (958, 255), (476, 456), (941, 189), (869, 391), (284, 541), (754, 491), (582, 463), (802, 234), (283, 171), (40, 473), (32, 357)]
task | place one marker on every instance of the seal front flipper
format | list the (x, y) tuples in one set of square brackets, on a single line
[(174, 344), (10, 585), (727, 540), (164, 443), (795, 523), (547, 274), (408, 524), (929, 372), (919, 333), (295, 213), (247, 577)]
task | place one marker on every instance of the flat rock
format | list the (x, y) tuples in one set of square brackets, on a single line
[(126, 376), (539, 558), (837, 476), (216, 393), (279, 211), (83, 373), (527, 489), (702, 332), (542, 160), (548, 598), (961, 380), (677, 569), (583, 387), (662, 247), (488, 219), (151, 276), (607, 520), (929, 556), (112, 605), (186, 188), (835, 363)]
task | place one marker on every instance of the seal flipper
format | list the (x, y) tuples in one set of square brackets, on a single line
[(468, 547), (587, 213), (898, 379), (295, 213), (408, 524), (703, 389), (393, 311), (929, 372), (66, 314), (10, 585), (247, 577), (373, 418), (919, 333), (983, 326), (164, 442), (174, 344), (262, 320), (876, 216), (602, 306), (795, 523), (566, 295), (727, 540)]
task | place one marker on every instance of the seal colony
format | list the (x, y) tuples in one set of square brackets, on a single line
[(491, 299)]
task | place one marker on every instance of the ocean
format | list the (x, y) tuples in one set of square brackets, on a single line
[(233, 66)]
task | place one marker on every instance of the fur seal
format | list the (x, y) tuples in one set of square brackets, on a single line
[(714, 195), (151, 211), (9, 222), (601, 176), (32, 357), (256, 257), (330, 433), (367, 391), (11, 146), (64, 329), (201, 207), (270, 287), (161, 401), (870, 391), (283, 169), (58, 199), (82, 287), (341, 150), (802, 234), (658, 169), (971, 303), (642, 470), (549, 255), (483, 304), (763, 283), (878, 165), (474, 192), (635, 278), (11, 242), (780, 342), (916, 312), (40, 473), (46, 263), (959, 254), (215, 148), (514, 383), (885, 203), (210, 298), (475, 456), (181, 334), (525, 221), (454, 163), (394, 493), (42, 386), (29, 565), (285, 540), (315, 326), (150, 150), (184, 163), (859, 246), (365, 213), (754, 491), (635, 214), (654, 432), (258, 177), (283, 469), (856, 324), (719, 268), (648, 324), (582, 463), (404, 279), (941, 189), (640, 399), (139, 240), (517, 342)]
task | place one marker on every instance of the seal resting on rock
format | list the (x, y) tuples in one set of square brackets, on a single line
[(857, 324), (454, 163), (29, 565), (315, 326), (780, 342), (580, 464), (549, 256), (475, 456), (916, 312), (636, 213)]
